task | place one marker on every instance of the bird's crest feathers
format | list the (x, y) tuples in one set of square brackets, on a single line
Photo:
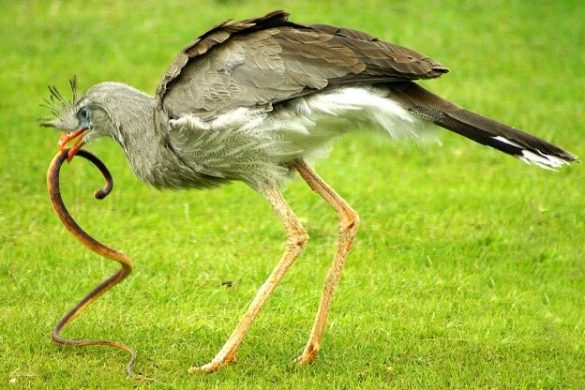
[(58, 105)]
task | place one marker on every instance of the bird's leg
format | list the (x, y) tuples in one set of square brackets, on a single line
[(297, 237), (348, 225)]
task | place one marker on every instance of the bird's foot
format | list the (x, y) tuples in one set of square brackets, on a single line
[(214, 365), (308, 356)]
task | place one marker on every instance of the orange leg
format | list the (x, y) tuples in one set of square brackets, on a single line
[(348, 225), (297, 237)]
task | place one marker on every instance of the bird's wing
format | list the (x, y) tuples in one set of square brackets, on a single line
[(259, 62)]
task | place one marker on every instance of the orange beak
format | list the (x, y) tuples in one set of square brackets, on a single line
[(67, 138)]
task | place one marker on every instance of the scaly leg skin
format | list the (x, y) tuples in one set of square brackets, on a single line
[(348, 225), (297, 238)]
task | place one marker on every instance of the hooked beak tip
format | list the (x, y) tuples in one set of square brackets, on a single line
[(66, 138)]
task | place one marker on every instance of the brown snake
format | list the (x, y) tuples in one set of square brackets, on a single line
[(92, 244)]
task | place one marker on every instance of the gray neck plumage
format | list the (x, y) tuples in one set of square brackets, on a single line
[(133, 114)]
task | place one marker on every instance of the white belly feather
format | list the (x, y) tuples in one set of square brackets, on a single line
[(261, 142)]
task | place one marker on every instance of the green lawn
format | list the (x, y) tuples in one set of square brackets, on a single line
[(468, 270)]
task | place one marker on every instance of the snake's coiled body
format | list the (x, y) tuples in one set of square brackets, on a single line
[(92, 244)]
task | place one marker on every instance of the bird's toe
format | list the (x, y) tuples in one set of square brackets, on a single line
[(213, 365), (308, 356), (305, 360)]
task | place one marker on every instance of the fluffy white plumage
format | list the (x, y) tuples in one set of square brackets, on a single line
[(301, 127)]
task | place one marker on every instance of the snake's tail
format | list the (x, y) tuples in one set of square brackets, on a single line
[(81, 306)]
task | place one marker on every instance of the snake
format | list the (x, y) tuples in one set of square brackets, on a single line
[(53, 185)]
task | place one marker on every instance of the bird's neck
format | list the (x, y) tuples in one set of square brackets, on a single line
[(141, 128)]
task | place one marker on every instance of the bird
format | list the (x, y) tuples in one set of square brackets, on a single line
[(253, 101)]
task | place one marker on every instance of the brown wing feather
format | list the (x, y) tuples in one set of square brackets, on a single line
[(394, 62), (214, 37), (268, 60)]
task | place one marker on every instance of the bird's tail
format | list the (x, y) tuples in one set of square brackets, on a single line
[(486, 131)]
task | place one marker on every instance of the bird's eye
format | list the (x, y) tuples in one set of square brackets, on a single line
[(83, 114)]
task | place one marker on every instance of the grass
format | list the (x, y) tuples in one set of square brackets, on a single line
[(468, 270)]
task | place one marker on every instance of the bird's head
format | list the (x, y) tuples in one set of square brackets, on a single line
[(84, 118)]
